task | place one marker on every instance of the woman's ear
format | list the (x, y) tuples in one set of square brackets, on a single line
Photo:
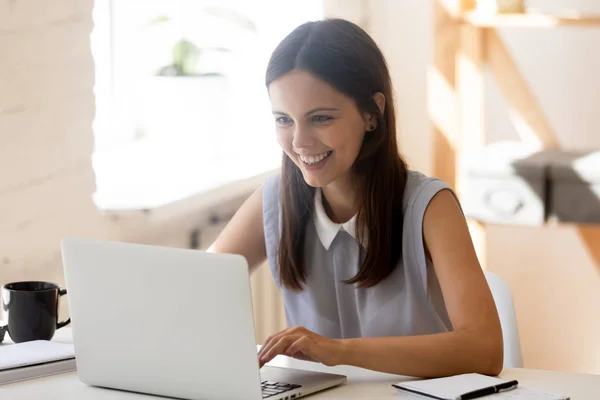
[(380, 101), (371, 119)]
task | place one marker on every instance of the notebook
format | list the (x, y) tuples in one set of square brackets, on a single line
[(35, 359), (473, 386)]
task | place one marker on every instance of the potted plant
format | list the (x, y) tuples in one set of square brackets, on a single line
[(186, 96), (189, 58)]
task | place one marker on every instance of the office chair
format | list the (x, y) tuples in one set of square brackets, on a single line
[(508, 320)]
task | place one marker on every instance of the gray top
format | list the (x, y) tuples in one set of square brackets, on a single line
[(408, 302)]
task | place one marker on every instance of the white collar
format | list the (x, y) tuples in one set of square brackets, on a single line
[(326, 228)]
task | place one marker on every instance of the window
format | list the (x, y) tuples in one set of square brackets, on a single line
[(181, 102)]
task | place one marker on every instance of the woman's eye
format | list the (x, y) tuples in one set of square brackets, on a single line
[(283, 120), (321, 118)]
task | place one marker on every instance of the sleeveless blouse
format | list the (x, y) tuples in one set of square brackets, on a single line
[(408, 302)]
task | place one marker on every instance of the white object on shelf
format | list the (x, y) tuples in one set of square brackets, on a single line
[(500, 6)]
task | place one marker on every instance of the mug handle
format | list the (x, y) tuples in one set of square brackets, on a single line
[(66, 322)]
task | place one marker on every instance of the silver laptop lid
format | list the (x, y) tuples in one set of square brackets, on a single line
[(167, 321)]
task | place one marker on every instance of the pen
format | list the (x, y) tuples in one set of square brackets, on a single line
[(502, 387)]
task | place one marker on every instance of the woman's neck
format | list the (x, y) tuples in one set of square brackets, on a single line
[(339, 201)]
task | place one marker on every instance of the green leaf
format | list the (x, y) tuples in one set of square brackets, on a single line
[(185, 56), (158, 20)]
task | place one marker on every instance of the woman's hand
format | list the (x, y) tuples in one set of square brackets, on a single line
[(300, 343)]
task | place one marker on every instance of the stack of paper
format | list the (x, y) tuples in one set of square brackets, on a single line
[(35, 359), (474, 386)]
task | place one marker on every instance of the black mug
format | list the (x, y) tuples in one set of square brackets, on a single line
[(31, 310)]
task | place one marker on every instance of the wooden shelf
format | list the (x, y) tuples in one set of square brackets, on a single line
[(530, 20)]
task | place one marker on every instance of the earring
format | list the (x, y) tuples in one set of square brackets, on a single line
[(372, 127)]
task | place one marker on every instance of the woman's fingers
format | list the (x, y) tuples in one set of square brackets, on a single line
[(280, 343), (270, 341), (280, 347), (300, 343)]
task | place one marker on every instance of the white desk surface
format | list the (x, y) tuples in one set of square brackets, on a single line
[(362, 384)]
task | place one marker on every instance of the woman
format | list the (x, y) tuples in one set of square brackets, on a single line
[(374, 261)]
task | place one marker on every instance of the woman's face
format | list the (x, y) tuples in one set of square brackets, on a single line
[(320, 129)]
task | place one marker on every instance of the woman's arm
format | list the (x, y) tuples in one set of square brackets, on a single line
[(474, 344), (244, 234)]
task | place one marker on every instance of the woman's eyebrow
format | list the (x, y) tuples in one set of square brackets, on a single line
[(314, 110)]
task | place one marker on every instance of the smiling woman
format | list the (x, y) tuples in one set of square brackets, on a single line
[(330, 134), (374, 260)]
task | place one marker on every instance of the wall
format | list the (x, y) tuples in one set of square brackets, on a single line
[(556, 276), (46, 110)]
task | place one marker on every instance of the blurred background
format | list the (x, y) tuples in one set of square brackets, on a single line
[(148, 122)]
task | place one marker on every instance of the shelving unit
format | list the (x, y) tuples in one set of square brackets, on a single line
[(528, 20), (465, 42), (465, 45)]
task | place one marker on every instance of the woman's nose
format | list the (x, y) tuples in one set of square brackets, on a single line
[(303, 137)]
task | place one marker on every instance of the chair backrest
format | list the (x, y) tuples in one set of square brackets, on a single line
[(506, 310)]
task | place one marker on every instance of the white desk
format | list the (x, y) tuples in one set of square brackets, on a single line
[(362, 384)]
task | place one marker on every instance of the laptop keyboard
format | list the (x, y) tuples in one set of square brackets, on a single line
[(270, 389)]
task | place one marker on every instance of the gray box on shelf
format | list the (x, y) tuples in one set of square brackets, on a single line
[(574, 191), (505, 183)]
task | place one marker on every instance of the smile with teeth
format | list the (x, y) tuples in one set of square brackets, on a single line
[(311, 160)]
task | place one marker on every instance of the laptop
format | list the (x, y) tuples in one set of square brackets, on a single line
[(171, 322)]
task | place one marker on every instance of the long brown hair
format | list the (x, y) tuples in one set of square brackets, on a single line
[(345, 56)]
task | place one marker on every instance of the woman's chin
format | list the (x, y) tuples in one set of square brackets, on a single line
[(315, 180)]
